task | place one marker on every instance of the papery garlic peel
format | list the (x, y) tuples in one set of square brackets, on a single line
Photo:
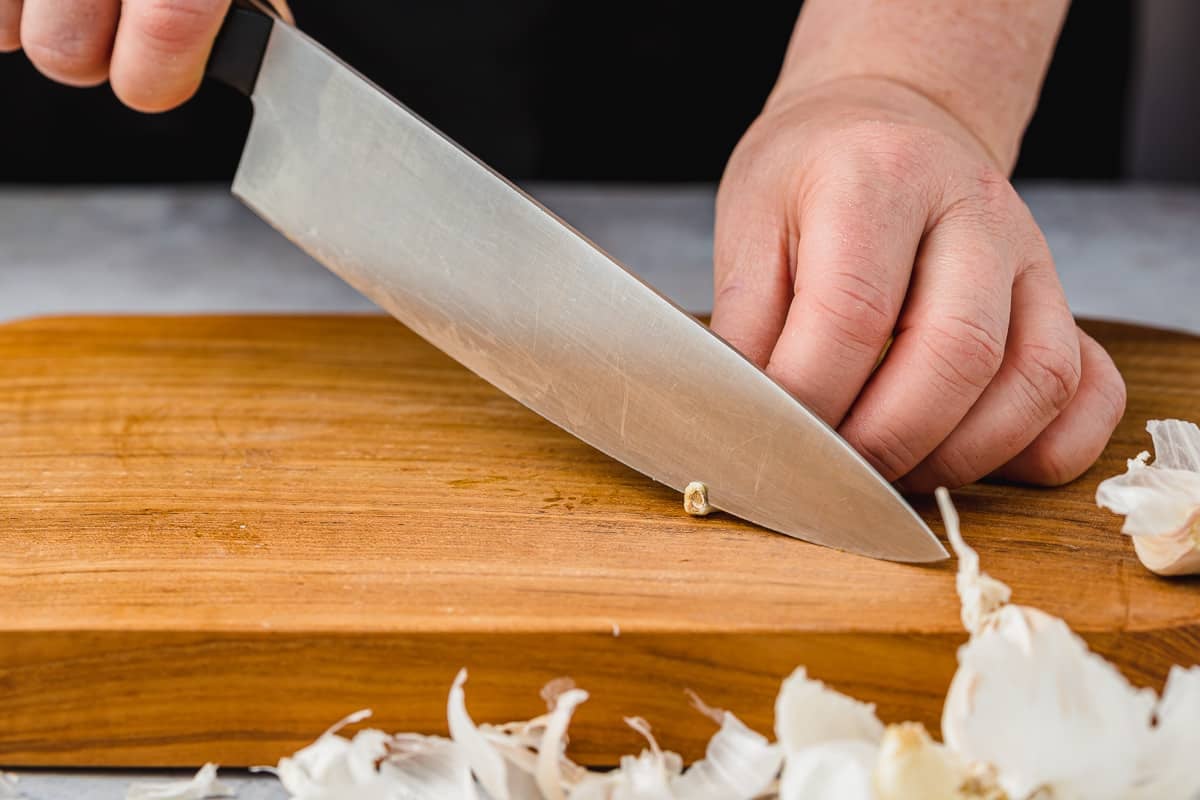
[(1161, 500)]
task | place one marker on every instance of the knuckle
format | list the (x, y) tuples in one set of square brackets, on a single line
[(859, 311), (887, 450), (1052, 466), (993, 189), (1051, 375), (892, 151), (965, 354), (951, 467), (988, 201), (172, 25)]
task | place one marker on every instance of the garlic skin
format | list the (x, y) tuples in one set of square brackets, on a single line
[(738, 764), (1161, 500), (376, 766), (837, 770), (830, 742), (647, 776), (486, 763), (808, 713), (1167, 765), (201, 786), (551, 751), (1030, 699)]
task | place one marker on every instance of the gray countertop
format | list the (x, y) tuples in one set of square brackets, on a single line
[(1130, 253), (1125, 253)]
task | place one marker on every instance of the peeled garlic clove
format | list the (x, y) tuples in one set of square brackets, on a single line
[(914, 767), (1030, 699), (808, 713), (1161, 500), (832, 770)]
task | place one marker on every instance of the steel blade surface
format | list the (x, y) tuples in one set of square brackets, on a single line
[(483, 272)]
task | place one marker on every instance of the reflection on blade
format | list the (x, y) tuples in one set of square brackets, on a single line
[(486, 274)]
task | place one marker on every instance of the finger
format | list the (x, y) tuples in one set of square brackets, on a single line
[(949, 346), (70, 40), (1038, 378), (10, 26), (161, 49), (751, 279), (858, 238), (1073, 442)]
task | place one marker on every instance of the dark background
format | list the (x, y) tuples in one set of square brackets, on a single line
[(546, 89)]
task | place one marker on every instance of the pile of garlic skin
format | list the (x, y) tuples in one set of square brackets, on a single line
[(1161, 500), (1031, 714)]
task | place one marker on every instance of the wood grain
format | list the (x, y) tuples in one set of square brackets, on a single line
[(220, 534)]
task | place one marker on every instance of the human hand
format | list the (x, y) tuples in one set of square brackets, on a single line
[(153, 52), (858, 210)]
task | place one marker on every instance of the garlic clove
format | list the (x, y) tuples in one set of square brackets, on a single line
[(695, 500), (914, 767), (808, 713), (1161, 500)]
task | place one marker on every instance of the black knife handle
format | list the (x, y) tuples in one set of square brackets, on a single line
[(238, 50)]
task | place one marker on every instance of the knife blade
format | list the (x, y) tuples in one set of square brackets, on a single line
[(483, 272)]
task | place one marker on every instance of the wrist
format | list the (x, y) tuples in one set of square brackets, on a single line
[(982, 64), (897, 99)]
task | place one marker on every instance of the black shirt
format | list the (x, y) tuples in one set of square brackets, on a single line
[(657, 90)]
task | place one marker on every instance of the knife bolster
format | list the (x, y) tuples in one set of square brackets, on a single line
[(238, 50)]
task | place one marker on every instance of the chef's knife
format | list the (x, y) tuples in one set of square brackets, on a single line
[(486, 274)]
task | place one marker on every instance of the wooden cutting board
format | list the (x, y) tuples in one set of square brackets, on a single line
[(221, 534)]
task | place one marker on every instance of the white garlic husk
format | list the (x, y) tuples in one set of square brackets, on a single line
[(738, 763), (202, 786), (646, 776), (1030, 699), (1167, 765), (1161, 500), (835, 770), (374, 765), (830, 742)]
